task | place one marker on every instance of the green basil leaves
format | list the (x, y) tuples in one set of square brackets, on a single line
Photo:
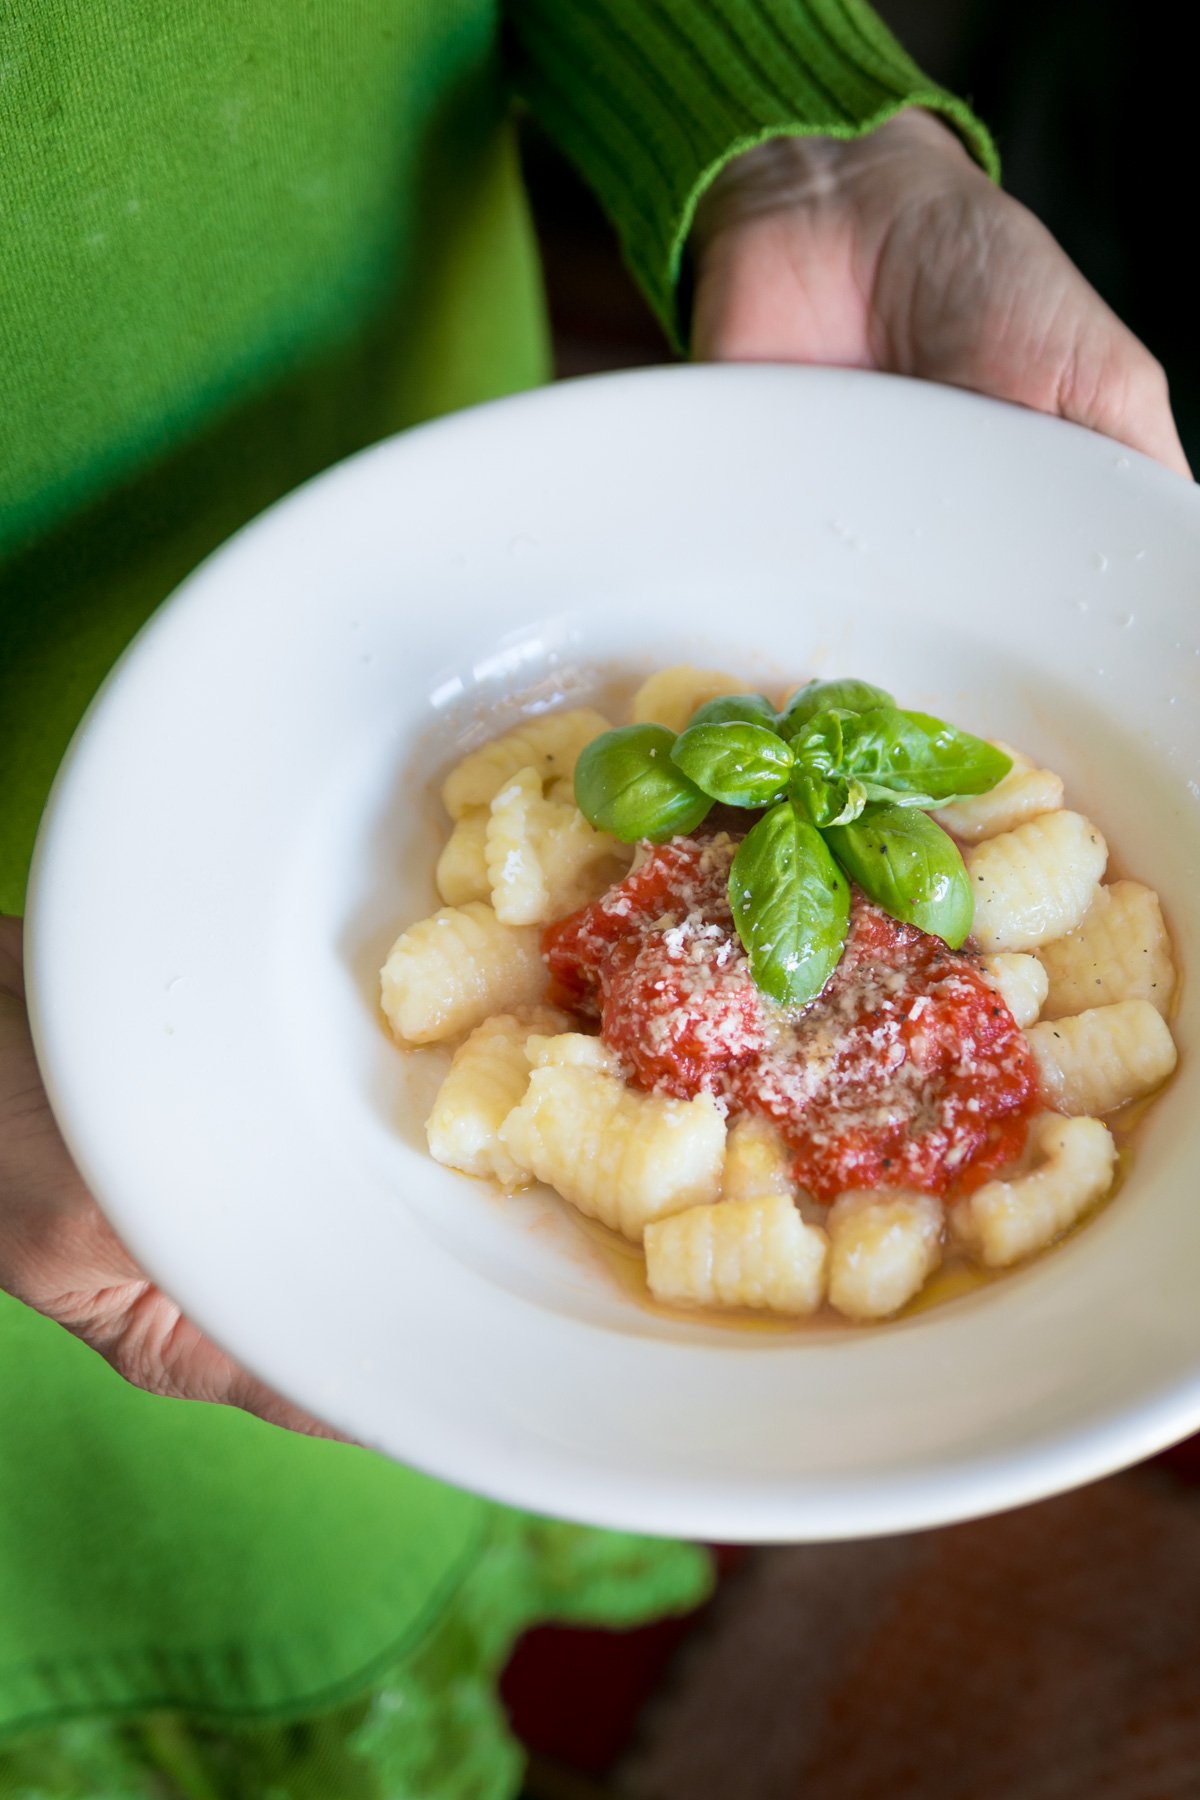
[(739, 764), (830, 696), (626, 784), (745, 709), (910, 867), (791, 906), (845, 776), (919, 761)]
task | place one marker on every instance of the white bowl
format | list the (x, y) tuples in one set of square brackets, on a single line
[(248, 816)]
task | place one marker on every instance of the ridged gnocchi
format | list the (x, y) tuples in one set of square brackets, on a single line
[(754, 1252), (1035, 882), (1101, 1058), (883, 1244), (486, 1079), (671, 696), (573, 1049), (1119, 951), (447, 973), (709, 1187), (1025, 792), (541, 856), (1005, 1221), (756, 1160), (618, 1155), (1021, 982), (462, 869), (550, 744)]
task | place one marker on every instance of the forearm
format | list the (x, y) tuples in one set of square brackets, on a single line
[(653, 98)]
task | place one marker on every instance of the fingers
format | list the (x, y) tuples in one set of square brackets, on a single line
[(255, 1397), (977, 293), (59, 1254), (151, 1344), (1122, 392)]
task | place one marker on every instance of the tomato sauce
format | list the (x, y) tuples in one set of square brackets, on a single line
[(907, 1071)]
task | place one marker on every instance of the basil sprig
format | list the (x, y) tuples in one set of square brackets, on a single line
[(846, 777)]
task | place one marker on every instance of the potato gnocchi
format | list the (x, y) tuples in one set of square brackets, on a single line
[(1082, 970)]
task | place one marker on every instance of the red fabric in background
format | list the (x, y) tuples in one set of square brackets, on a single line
[(573, 1696)]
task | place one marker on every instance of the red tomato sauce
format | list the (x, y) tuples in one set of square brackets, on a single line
[(907, 1071)]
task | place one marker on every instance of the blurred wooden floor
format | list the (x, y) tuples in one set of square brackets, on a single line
[(1051, 1653)]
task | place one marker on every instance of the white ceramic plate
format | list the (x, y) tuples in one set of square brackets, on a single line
[(247, 818)]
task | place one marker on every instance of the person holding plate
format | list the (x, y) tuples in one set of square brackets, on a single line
[(241, 243)]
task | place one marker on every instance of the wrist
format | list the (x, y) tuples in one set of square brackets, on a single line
[(802, 170)]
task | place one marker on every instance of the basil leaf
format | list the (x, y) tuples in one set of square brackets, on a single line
[(876, 790), (911, 753), (854, 798), (791, 904), (908, 865), (822, 795), (742, 765), (826, 800), (818, 743), (822, 696), (820, 800), (626, 784), (744, 709)]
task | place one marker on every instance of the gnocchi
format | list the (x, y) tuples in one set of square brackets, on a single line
[(462, 868), (621, 1156), (671, 696), (486, 1079), (1025, 792), (550, 744), (648, 1126), (1036, 882), (1101, 1058), (1021, 981), (1119, 951), (446, 974), (1008, 1220), (541, 857), (882, 1247), (750, 1252)]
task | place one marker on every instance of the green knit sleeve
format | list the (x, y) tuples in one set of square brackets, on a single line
[(651, 98)]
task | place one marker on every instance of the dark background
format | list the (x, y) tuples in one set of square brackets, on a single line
[(1091, 103)]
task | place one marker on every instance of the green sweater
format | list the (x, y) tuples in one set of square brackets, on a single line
[(245, 237), (242, 238)]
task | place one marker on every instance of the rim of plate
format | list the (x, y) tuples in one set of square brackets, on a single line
[(512, 1453)]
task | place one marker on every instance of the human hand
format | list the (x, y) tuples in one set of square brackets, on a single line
[(895, 251), (60, 1256)]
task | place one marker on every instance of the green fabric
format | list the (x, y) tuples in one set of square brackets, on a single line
[(240, 241), (103, 1488), (214, 1564), (651, 98), (243, 238)]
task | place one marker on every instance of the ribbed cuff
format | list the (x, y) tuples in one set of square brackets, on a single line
[(651, 98)]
